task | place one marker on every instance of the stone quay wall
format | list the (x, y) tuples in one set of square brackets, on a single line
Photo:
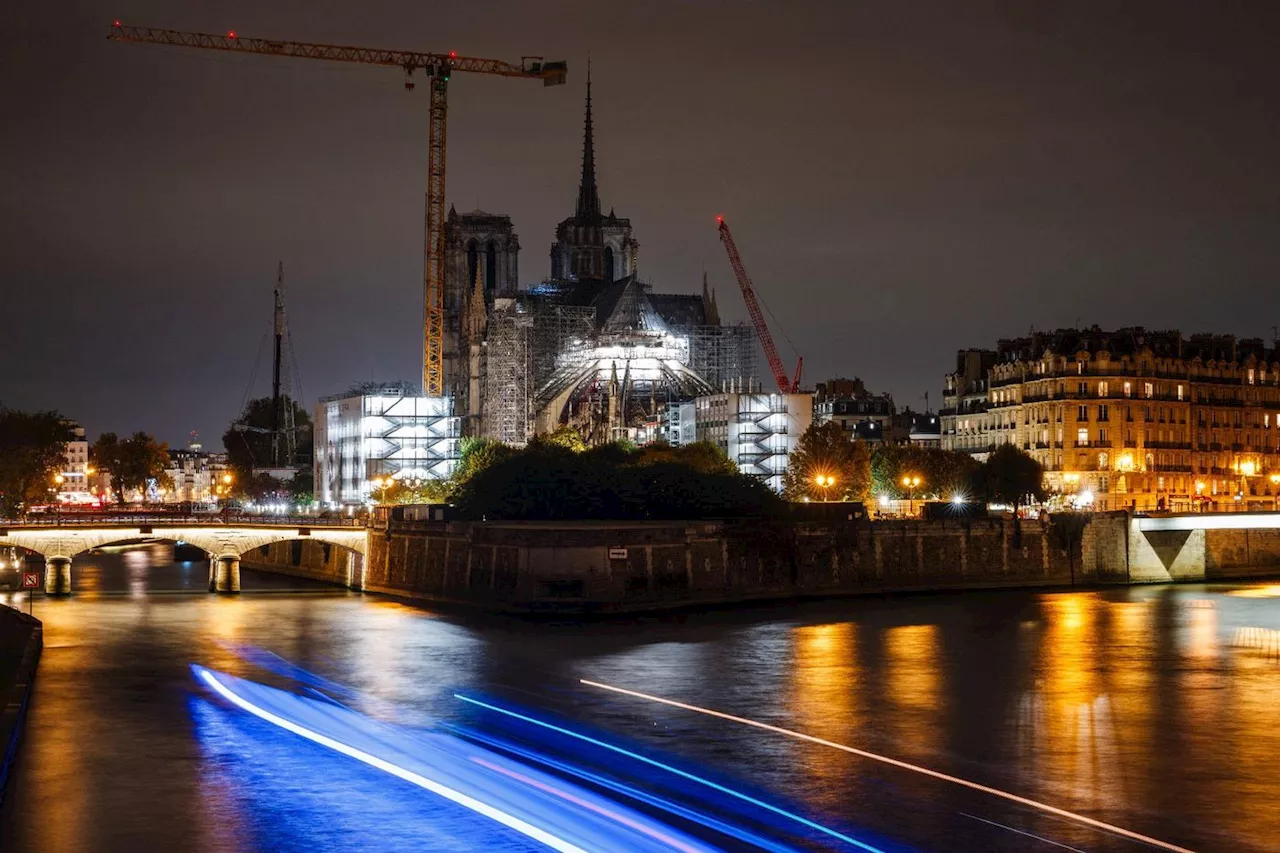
[(623, 566), (21, 641), (620, 566)]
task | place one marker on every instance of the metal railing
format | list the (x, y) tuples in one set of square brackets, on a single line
[(86, 519)]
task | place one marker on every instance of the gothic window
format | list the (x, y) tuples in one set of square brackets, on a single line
[(473, 258), (608, 264), (490, 271)]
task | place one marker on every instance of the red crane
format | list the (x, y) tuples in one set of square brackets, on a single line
[(785, 385)]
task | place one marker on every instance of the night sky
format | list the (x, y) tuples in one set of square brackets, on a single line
[(903, 180)]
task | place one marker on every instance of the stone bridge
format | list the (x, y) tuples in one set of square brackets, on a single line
[(1203, 546), (60, 541)]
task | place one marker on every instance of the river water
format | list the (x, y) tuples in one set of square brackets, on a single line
[(1153, 710)]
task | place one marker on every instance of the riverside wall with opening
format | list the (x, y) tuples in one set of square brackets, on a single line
[(625, 566)]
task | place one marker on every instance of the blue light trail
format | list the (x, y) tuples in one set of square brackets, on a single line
[(678, 772)]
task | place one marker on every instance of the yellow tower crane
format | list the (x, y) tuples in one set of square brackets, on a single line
[(438, 67)]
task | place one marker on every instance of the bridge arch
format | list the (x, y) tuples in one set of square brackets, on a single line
[(225, 544)]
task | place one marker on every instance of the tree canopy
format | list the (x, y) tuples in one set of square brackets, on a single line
[(248, 443), (248, 438), (549, 481), (32, 451), (1011, 476), (824, 450), (131, 462), (943, 474)]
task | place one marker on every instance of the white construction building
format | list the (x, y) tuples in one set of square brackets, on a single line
[(375, 436)]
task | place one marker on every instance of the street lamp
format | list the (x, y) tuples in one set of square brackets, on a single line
[(825, 482), (911, 482), (226, 479)]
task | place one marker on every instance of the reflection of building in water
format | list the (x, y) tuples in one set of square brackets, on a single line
[(913, 683)]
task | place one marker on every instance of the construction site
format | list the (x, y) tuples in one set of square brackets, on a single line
[(590, 344)]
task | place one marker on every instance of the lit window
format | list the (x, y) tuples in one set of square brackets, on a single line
[(1148, 389), (1128, 389), (1180, 392), (1251, 374), (1082, 436), (1102, 389)]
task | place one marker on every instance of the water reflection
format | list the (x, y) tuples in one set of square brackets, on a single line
[(1145, 707)]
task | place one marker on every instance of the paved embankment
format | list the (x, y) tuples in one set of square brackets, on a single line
[(21, 640)]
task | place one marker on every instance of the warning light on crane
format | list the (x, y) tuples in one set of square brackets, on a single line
[(231, 34)]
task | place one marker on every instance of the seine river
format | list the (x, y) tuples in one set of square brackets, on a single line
[(1100, 720)]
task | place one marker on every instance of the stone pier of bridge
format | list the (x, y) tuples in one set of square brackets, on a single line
[(224, 543)]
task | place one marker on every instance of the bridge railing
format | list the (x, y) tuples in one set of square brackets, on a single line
[(96, 519)]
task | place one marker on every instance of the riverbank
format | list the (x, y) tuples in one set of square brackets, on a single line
[(21, 641), (625, 567)]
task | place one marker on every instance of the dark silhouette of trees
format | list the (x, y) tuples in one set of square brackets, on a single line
[(248, 443), (547, 481), (1011, 476), (32, 451)]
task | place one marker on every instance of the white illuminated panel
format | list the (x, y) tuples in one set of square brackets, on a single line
[(1212, 521)]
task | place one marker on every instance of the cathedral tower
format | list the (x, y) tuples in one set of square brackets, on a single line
[(591, 246)]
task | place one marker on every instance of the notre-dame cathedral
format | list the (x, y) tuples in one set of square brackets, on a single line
[(590, 345)]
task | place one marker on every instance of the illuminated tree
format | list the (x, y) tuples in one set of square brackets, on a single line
[(826, 465)]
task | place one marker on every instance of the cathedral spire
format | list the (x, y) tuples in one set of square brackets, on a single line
[(588, 195)]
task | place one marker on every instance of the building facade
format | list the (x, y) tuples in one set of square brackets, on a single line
[(77, 483), (196, 476), (375, 436), (1133, 418), (757, 431), (861, 414)]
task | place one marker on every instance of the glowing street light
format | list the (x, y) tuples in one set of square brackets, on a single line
[(59, 479), (825, 482), (911, 482), (226, 479)]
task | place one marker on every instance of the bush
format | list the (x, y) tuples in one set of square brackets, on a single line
[(549, 482)]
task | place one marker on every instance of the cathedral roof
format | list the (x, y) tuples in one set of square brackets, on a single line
[(625, 307), (681, 309)]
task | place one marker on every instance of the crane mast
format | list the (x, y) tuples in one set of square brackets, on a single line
[(785, 385), (438, 67)]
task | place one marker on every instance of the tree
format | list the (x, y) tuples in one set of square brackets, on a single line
[(32, 451), (942, 473), (132, 463), (1010, 476), (564, 437), (108, 457), (248, 440), (704, 457), (824, 450)]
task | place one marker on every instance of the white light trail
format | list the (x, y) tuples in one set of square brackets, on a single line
[(915, 768), (510, 821)]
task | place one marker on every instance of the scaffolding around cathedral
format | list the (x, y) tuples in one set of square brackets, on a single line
[(723, 355), (536, 348), (528, 342)]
